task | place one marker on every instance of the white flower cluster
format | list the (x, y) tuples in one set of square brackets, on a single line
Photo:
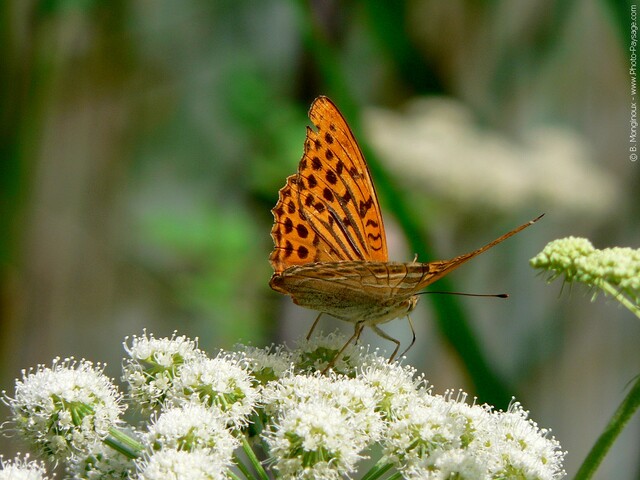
[(276, 404), (152, 366), (492, 171), (319, 426), (178, 464), (615, 270), (440, 437), (22, 469), (100, 462), (63, 409)]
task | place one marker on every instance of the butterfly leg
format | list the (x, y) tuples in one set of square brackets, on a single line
[(387, 337), (315, 322), (413, 337), (354, 337)]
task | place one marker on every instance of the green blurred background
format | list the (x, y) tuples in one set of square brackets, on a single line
[(144, 143)]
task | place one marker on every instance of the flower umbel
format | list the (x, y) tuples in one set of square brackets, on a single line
[(101, 462), (444, 437), (265, 364), (64, 409), (177, 464), (320, 425), (223, 383), (525, 450), (192, 427), (152, 366), (616, 271), (314, 440)]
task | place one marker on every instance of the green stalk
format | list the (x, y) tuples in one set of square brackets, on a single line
[(233, 476), (242, 467), (123, 443), (395, 476), (611, 290), (254, 460), (620, 418), (377, 471)]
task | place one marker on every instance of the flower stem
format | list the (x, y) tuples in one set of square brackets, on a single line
[(233, 476), (123, 443), (377, 471), (620, 418), (395, 476), (242, 467), (608, 288), (254, 460)]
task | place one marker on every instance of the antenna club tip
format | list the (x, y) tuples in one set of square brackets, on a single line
[(537, 218), (503, 295)]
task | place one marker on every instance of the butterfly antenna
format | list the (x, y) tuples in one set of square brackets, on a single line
[(463, 294), (413, 337)]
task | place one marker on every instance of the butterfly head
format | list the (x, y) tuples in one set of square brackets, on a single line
[(392, 309), (404, 306), (408, 305)]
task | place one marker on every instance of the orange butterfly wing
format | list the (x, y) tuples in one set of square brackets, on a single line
[(328, 211)]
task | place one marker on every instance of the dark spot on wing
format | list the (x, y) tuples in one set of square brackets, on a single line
[(309, 200), (364, 207), (311, 180), (328, 138), (288, 225), (288, 249), (302, 231)]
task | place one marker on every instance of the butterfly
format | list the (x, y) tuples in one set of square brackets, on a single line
[(330, 250)]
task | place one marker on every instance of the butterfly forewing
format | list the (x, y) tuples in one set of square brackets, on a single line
[(328, 211)]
